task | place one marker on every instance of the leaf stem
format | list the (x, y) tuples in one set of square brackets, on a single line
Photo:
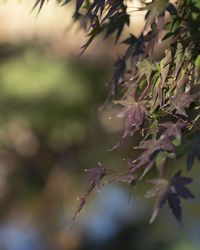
[(179, 118), (146, 90)]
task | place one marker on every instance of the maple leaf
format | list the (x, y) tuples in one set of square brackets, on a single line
[(182, 99), (155, 8), (131, 40), (170, 191), (173, 129), (135, 116), (194, 150), (117, 23), (94, 177), (97, 5), (153, 147), (113, 9), (96, 29), (178, 189), (175, 205), (135, 112), (160, 190), (178, 186)]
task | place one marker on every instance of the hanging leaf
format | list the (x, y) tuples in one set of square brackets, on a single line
[(181, 100), (171, 191), (153, 147), (97, 5), (96, 29), (173, 129), (135, 114), (178, 189), (95, 175), (160, 190), (117, 23), (154, 9)]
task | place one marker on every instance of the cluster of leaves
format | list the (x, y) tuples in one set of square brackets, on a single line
[(160, 98)]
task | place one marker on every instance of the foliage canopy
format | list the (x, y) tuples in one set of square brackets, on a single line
[(159, 98)]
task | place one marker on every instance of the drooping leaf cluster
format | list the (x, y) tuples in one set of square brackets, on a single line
[(160, 98)]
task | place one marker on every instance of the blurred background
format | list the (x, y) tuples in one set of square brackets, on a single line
[(51, 129)]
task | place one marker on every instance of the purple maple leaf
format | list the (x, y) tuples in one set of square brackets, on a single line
[(153, 147), (135, 113), (173, 129), (170, 191), (182, 99), (94, 177), (178, 189), (160, 190)]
